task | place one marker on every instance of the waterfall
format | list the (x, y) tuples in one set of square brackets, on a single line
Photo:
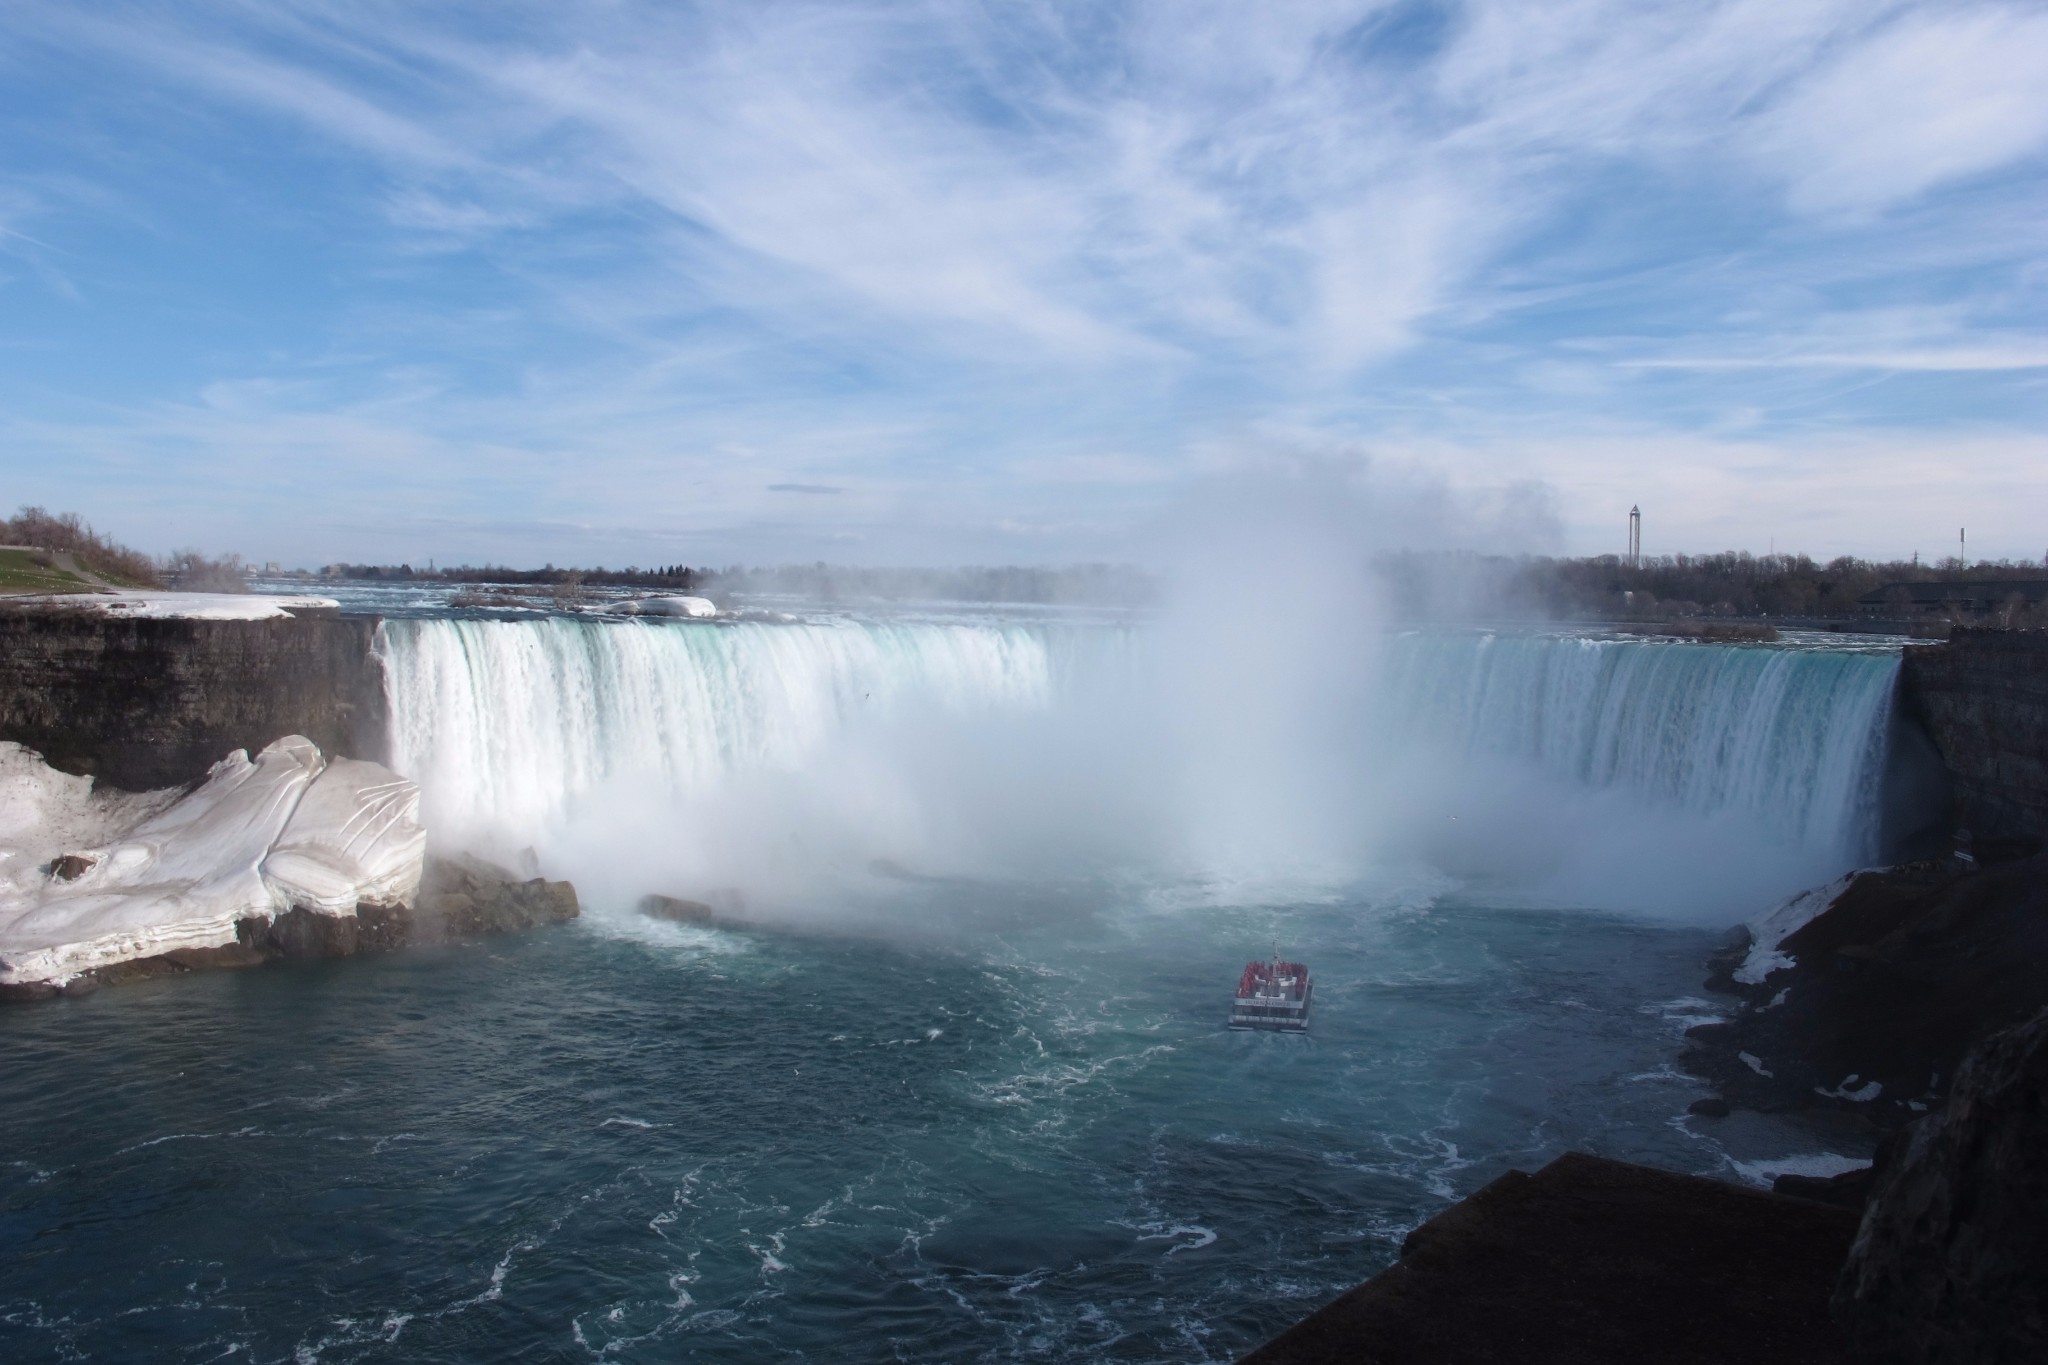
[(932, 726), (505, 724), (1794, 738)]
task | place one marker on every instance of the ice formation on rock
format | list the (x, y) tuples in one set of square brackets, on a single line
[(355, 837), (665, 606), (89, 879)]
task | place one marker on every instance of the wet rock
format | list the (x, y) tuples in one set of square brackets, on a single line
[(1722, 965), (231, 957), (1710, 1106), (300, 932), (1951, 1262), (676, 910), (463, 897)]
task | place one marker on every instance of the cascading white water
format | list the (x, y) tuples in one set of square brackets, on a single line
[(868, 740), (1794, 738), (506, 724)]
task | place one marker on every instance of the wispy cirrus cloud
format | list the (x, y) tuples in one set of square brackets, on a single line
[(722, 250)]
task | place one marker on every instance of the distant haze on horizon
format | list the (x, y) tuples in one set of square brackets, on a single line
[(951, 282)]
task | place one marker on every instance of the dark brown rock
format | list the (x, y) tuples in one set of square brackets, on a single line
[(463, 897), (300, 932), (676, 910), (1951, 1263), (141, 969), (233, 956), (1588, 1262), (72, 866), (1709, 1106), (146, 704)]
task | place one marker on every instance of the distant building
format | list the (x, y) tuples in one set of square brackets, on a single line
[(1975, 597)]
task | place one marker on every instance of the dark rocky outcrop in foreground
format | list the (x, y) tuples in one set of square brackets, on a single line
[(1597, 1261), (144, 704), (1588, 1262), (1950, 1266), (1891, 985), (460, 898), (1983, 698)]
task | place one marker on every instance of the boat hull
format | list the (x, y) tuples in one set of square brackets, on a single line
[(1272, 1015)]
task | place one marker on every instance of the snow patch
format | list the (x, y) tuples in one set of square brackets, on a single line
[(663, 606), (194, 606), (146, 875), (1767, 932), (1849, 1090)]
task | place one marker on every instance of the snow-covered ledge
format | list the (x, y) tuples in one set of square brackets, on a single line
[(190, 606), (90, 879), (1769, 930)]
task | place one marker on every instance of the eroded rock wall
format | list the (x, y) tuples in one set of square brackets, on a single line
[(143, 704), (1983, 698)]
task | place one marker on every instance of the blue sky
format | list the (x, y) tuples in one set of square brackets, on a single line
[(992, 282)]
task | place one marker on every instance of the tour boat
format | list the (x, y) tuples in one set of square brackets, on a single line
[(1273, 995)]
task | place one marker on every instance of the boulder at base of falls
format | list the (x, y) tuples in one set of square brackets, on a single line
[(676, 910), (1951, 1262), (463, 897)]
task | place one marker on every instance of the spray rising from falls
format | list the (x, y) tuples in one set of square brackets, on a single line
[(1794, 738), (911, 741)]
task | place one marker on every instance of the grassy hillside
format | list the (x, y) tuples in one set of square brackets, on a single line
[(76, 544), (32, 571)]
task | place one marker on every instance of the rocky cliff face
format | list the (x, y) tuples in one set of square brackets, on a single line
[(1951, 1263), (143, 704), (1983, 697), (1882, 994)]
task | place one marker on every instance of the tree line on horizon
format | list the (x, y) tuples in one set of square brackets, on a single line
[(1734, 583), (1421, 583)]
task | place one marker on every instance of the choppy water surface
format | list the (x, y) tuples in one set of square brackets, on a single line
[(1026, 1137)]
